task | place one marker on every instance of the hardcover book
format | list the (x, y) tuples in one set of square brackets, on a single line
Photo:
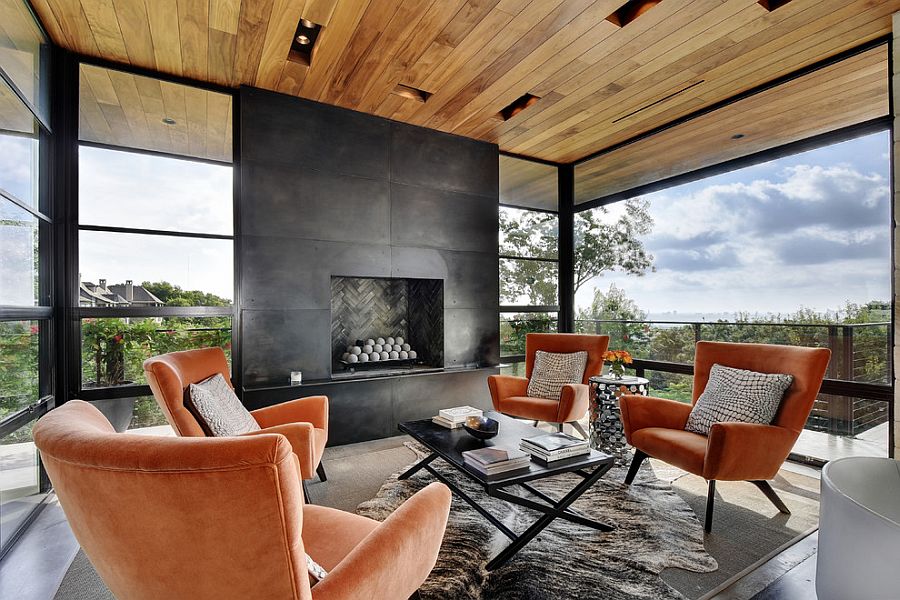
[(459, 413), (494, 456), (552, 442)]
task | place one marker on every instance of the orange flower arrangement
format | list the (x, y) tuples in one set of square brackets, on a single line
[(617, 360)]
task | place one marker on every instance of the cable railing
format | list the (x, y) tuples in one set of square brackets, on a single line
[(854, 397)]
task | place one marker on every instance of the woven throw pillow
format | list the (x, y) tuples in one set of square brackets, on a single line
[(553, 370), (216, 406), (736, 395)]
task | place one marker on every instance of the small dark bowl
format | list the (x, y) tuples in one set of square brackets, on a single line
[(482, 428)]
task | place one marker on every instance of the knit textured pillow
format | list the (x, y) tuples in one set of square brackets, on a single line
[(216, 406), (553, 370), (736, 395)]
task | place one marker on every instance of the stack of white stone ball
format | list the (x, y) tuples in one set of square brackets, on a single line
[(380, 349)]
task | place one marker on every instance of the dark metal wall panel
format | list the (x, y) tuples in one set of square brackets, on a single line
[(371, 409), (276, 342), (331, 192), (440, 161), (430, 218), (300, 202), (282, 272), (283, 129)]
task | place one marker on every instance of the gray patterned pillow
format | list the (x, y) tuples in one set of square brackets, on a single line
[(216, 406), (553, 370), (316, 572), (736, 395)]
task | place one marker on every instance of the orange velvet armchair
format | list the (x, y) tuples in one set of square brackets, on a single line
[(732, 451), (510, 394), (222, 518), (304, 421)]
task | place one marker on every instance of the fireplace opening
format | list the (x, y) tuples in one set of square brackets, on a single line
[(382, 325)]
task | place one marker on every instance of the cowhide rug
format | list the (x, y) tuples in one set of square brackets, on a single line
[(655, 529)]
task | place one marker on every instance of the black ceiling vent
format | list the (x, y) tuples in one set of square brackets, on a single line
[(771, 5), (518, 106), (630, 11)]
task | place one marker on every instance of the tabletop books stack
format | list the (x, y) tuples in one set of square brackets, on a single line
[(492, 461), (552, 447), (453, 418)]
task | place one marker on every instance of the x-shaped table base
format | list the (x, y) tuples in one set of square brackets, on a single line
[(553, 509)]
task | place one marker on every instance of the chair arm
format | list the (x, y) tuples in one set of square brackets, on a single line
[(395, 559), (313, 409), (639, 412), (574, 401), (506, 386), (746, 451), (300, 435)]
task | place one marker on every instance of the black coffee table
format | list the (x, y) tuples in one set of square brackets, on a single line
[(449, 444)]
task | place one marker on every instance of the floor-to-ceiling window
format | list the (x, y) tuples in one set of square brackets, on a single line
[(529, 256), (795, 250), (155, 233), (26, 360)]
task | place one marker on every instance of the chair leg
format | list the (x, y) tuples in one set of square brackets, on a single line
[(320, 471), (635, 465), (535, 423), (559, 427), (305, 492), (577, 426), (710, 501), (766, 488)]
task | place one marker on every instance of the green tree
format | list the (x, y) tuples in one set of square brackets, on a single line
[(601, 245), (173, 295)]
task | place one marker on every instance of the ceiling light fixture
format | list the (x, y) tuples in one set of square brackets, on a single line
[(737, 136), (303, 42), (168, 120)]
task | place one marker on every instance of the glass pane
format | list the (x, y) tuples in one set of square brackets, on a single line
[(171, 271), (514, 328), (19, 377), (528, 183), (841, 426), (19, 257), (126, 189), (529, 282), (24, 52), (113, 350), (528, 234), (516, 369), (673, 386), (147, 418), (18, 148), (20, 482)]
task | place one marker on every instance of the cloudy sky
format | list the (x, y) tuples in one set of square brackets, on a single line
[(811, 230), (148, 192)]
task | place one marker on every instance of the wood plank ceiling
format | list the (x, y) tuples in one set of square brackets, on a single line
[(852, 91), (597, 83), (132, 111)]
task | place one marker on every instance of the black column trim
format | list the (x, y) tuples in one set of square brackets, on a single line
[(566, 175)]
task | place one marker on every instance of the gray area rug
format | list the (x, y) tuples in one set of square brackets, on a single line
[(655, 529)]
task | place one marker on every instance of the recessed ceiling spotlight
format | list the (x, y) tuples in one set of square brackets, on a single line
[(737, 136), (168, 120), (307, 23), (303, 40)]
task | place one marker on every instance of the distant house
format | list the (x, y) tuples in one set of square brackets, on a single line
[(118, 295)]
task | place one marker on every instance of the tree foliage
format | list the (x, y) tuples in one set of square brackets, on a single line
[(602, 245)]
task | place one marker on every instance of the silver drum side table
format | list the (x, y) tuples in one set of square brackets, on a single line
[(606, 432)]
